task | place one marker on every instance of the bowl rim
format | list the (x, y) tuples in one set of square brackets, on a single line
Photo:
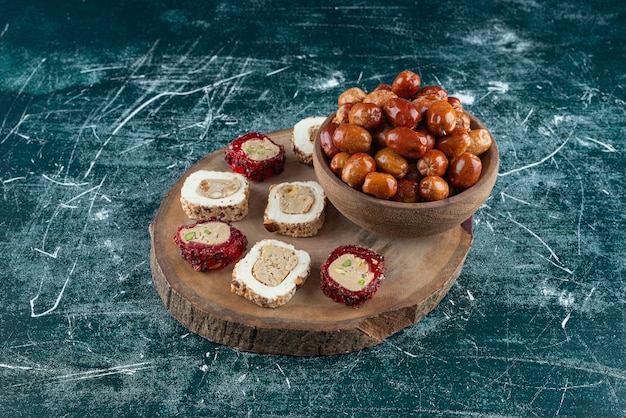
[(485, 176)]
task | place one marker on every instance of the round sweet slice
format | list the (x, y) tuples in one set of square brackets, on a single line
[(210, 244), (303, 137), (215, 194), (270, 273), (255, 156), (295, 209), (352, 274)]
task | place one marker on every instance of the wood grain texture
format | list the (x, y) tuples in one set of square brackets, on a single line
[(419, 272)]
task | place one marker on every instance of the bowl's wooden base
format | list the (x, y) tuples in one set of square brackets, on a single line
[(419, 272)]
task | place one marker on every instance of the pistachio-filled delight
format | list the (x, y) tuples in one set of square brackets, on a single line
[(303, 137), (295, 209), (255, 156), (215, 194), (210, 244), (270, 273), (352, 274)]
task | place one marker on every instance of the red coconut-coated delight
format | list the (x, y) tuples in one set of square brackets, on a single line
[(210, 244), (255, 156), (352, 274)]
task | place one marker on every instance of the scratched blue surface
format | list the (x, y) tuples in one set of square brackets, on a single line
[(103, 107)]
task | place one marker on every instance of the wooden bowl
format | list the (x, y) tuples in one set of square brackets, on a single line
[(406, 219)]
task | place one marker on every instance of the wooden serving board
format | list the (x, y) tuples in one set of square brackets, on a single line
[(419, 272)]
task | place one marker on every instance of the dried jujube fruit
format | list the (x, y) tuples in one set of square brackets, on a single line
[(433, 188), (379, 97), (367, 115), (326, 139), (441, 118), (338, 162), (433, 93), (356, 168), (380, 185), (351, 96), (407, 142), (404, 141), (401, 112), (433, 163), (464, 170), (455, 102), (407, 191), (422, 104), (453, 144), (352, 138), (342, 114), (406, 84), (480, 141), (390, 162)]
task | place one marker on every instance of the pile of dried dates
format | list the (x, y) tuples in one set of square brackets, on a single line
[(404, 141)]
